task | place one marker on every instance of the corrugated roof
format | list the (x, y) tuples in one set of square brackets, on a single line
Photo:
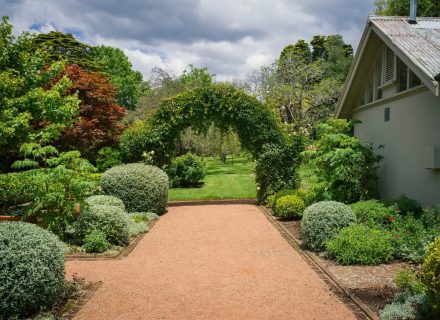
[(419, 42)]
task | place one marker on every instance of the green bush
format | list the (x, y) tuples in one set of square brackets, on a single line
[(95, 242), (358, 244), (407, 205), (322, 221), (305, 195), (108, 157), (277, 166), (186, 171), (409, 282), (110, 220), (373, 213), (136, 228), (289, 207), (104, 200), (344, 166), (405, 308), (431, 276), (144, 216), (31, 269), (140, 187)]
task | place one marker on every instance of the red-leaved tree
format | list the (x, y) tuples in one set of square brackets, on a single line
[(99, 114)]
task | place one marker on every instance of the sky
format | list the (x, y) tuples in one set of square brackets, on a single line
[(229, 37)]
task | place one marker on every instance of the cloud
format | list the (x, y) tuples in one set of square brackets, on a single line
[(230, 37)]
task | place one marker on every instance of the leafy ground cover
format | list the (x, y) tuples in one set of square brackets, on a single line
[(234, 179)]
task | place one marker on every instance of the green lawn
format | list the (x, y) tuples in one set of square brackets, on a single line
[(308, 177), (223, 181)]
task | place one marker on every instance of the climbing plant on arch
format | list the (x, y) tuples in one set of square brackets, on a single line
[(258, 129)]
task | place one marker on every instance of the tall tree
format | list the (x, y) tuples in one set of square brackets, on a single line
[(99, 124), (29, 111), (119, 70), (425, 8)]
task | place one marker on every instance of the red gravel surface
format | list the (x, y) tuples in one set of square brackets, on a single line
[(209, 262)]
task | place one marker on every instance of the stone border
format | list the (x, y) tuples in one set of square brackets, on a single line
[(361, 310), (82, 300), (121, 254), (211, 202)]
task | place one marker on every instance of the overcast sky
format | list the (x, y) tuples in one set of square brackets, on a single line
[(229, 37)]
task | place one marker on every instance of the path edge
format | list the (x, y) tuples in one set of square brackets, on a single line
[(211, 202), (296, 245)]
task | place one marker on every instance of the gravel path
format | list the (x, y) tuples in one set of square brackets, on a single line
[(209, 262)]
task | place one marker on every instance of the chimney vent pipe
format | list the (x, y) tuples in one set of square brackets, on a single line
[(413, 12)]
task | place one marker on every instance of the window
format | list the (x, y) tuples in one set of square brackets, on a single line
[(389, 65), (406, 79), (379, 78)]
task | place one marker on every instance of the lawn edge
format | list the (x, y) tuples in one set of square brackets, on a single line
[(207, 202)]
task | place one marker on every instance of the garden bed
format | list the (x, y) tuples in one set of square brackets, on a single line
[(114, 252), (372, 286)]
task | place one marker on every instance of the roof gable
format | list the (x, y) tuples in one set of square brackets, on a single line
[(417, 45)]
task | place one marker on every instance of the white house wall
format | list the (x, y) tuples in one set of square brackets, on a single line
[(413, 127)]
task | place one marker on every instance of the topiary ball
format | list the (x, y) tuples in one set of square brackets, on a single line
[(186, 171), (110, 220), (140, 187), (322, 221), (31, 269), (104, 200), (289, 207), (95, 242), (358, 244)]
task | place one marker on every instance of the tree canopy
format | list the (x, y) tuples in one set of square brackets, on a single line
[(425, 8)]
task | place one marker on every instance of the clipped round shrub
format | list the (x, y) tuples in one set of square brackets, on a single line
[(431, 275), (95, 242), (186, 171), (373, 213), (140, 187), (305, 195), (104, 200), (358, 244), (110, 220), (289, 207), (322, 221), (31, 269)]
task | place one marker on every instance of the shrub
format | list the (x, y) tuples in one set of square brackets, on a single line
[(345, 167), (289, 207), (140, 187), (108, 157), (405, 308), (409, 282), (104, 200), (373, 213), (431, 276), (110, 220), (136, 228), (305, 195), (144, 216), (186, 171), (95, 242), (277, 166), (407, 205), (322, 221), (358, 244), (31, 269)]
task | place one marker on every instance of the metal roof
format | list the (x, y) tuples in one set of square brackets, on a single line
[(419, 42)]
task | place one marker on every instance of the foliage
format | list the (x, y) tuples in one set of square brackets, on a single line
[(408, 281), (29, 110), (289, 207), (305, 195), (373, 213), (346, 168), (99, 125), (108, 157), (31, 269), (186, 171), (105, 201), (63, 46), (425, 8), (431, 276), (140, 187), (136, 228), (276, 168), (407, 205), (322, 221), (406, 308), (95, 242), (303, 85), (113, 63), (144, 216), (110, 220), (358, 244)]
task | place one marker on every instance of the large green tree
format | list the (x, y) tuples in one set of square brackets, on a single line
[(30, 111), (119, 70), (425, 8)]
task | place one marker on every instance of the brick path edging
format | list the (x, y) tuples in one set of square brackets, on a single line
[(353, 302)]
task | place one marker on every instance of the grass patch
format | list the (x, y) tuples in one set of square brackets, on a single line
[(234, 179), (308, 177)]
